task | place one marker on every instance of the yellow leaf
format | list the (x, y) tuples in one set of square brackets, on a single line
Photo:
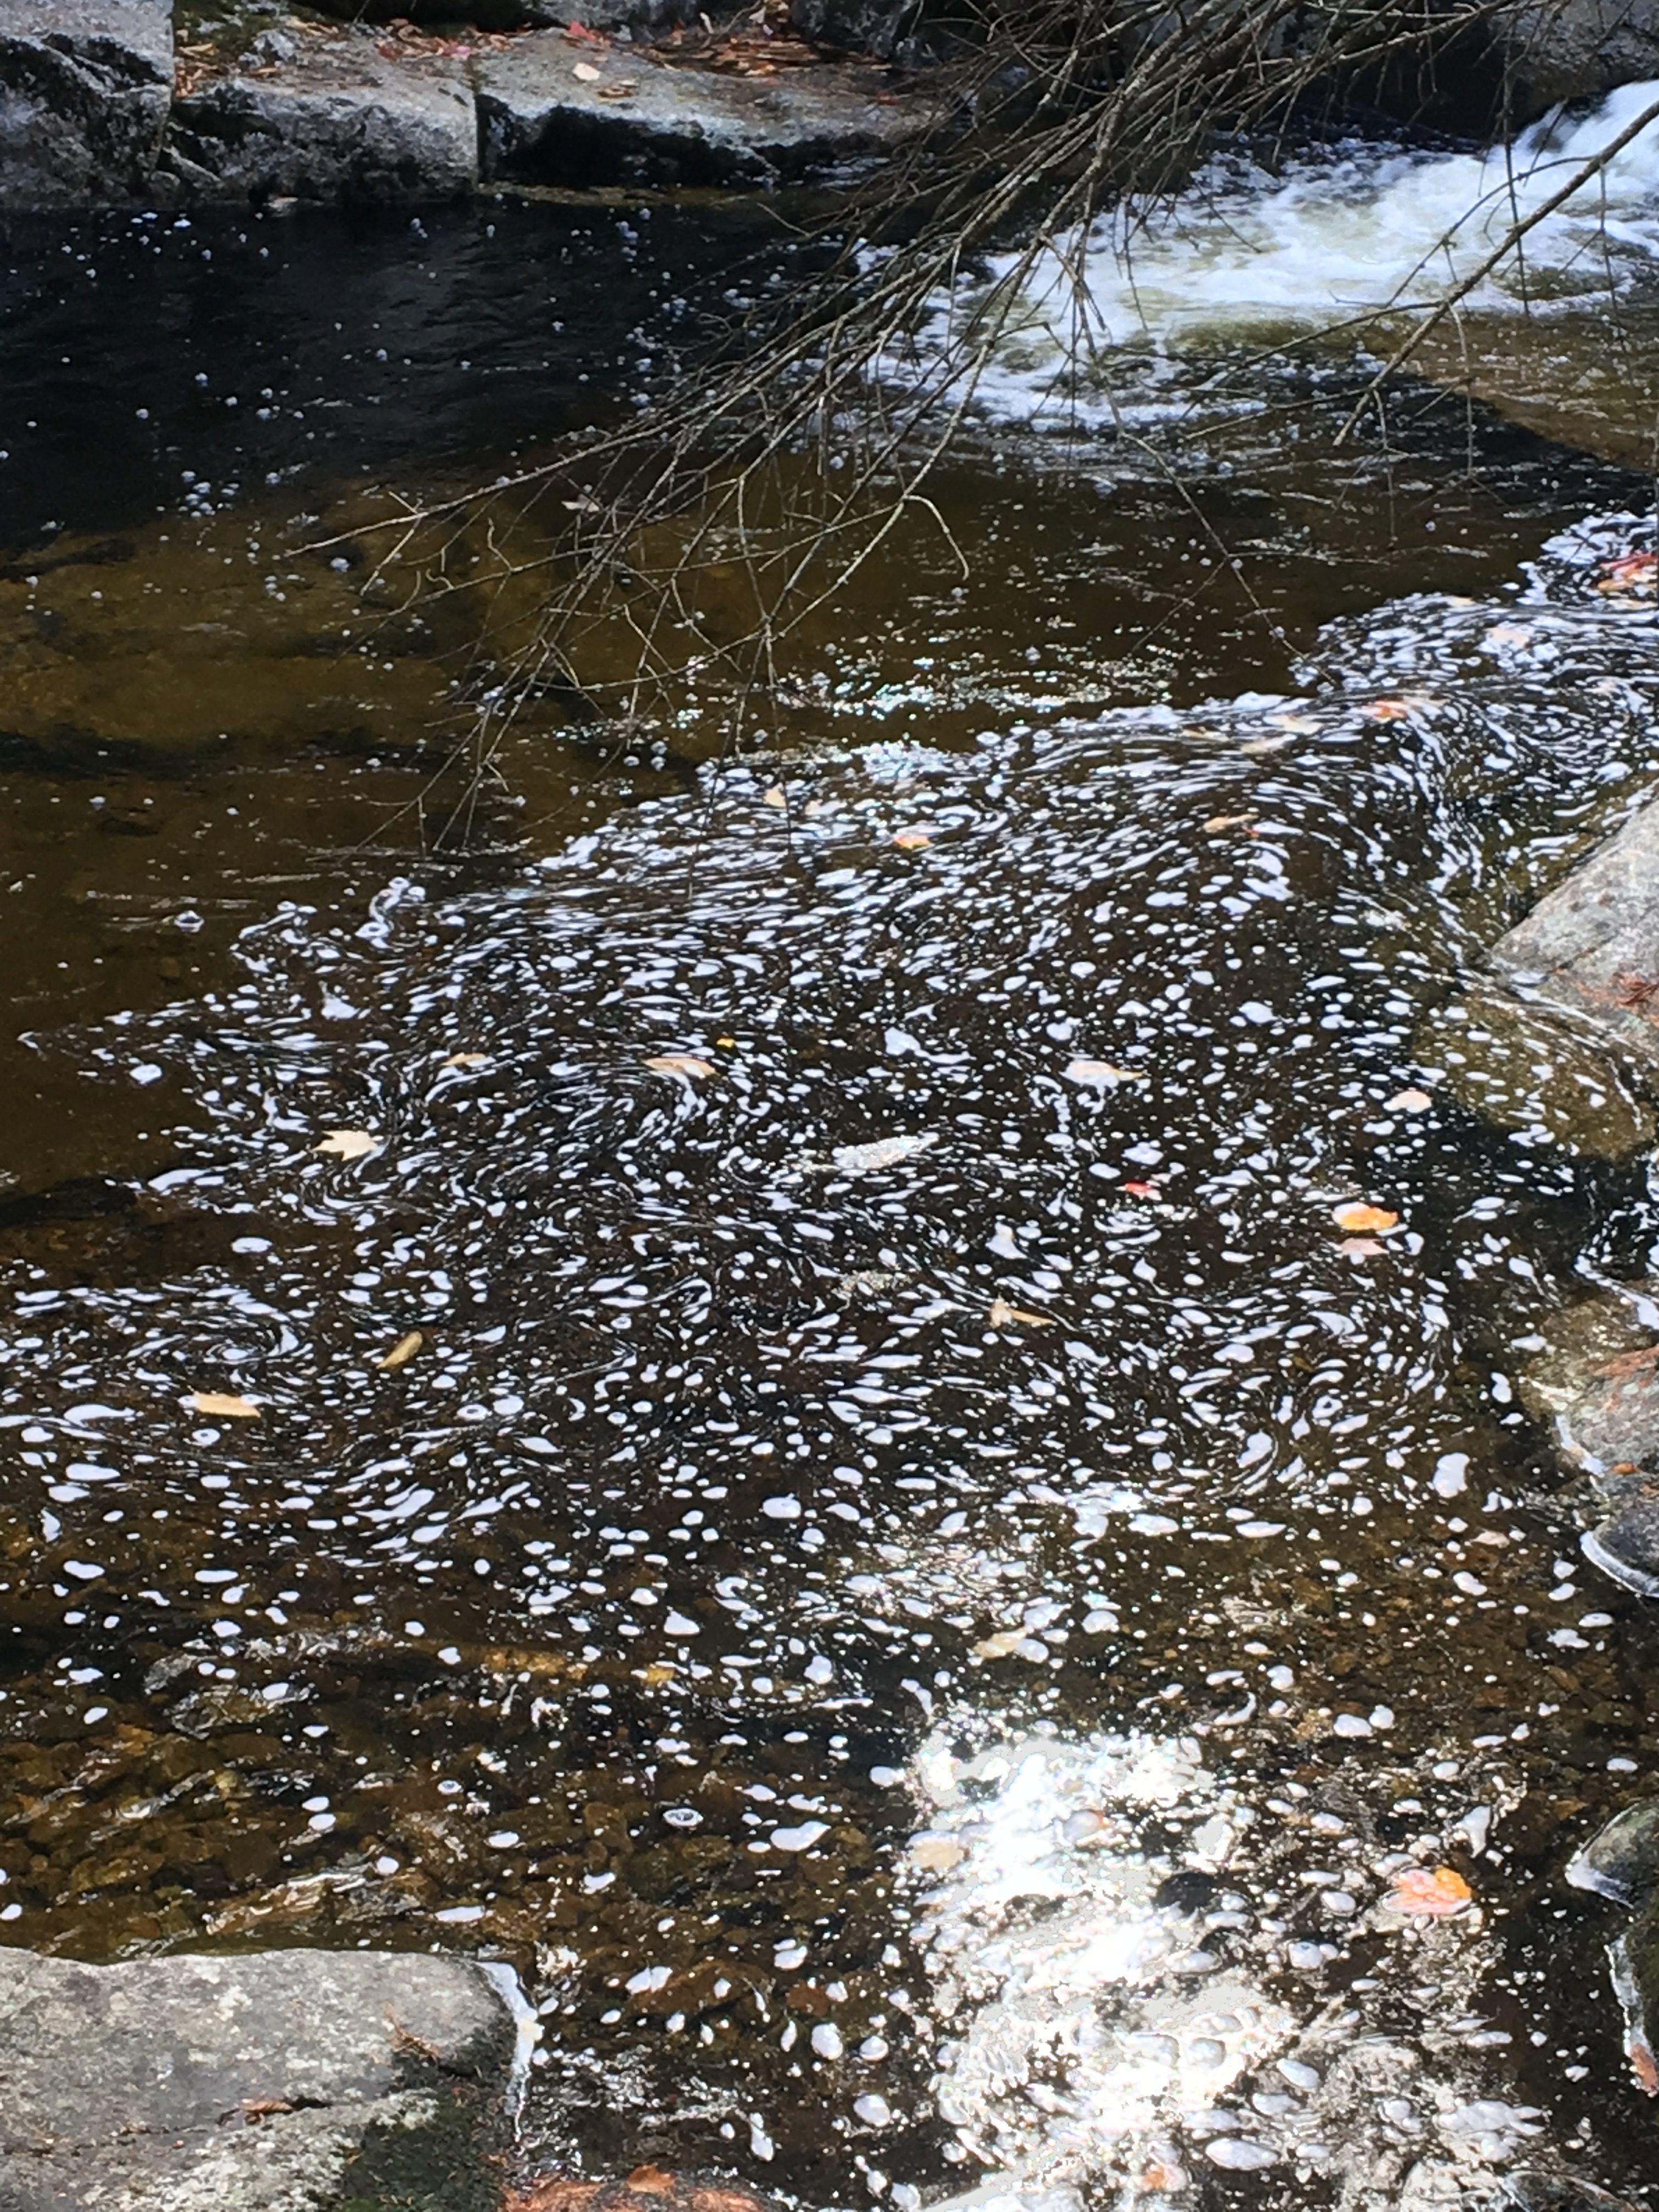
[(587, 72), (467, 1059), (403, 1352), (725, 1043), (1387, 710), (999, 1646), (1219, 825), (911, 840), (348, 1144), (1002, 1315), (1102, 1070), (655, 1674), (1363, 1220), (1430, 1892), (776, 797), (224, 1406), (679, 1063)]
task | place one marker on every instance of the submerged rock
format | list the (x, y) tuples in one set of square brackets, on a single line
[(1532, 2191), (84, 87), (1622, 1860), (175, 2083), (1595, 1388)]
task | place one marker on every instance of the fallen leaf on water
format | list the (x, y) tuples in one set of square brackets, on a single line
[(224, 1405), (911, 840), (1430, 1892), (1387, 710), (1102, 1070), (467, 1059), (884, 1153), (936, 1854), (1361, 1218), (1003, 1315), (1257, 746), (1507, 634), (403, 1352), (1631, 572), (587, 72), (1360, 1248), (656, 1674), (1304, 726), (1219, 825), (1410, 1102), (1141, 1189), (1005, 1641), (725, 1043), (348, 1144), (1642, 2065), (679, 1063), (776, 797)]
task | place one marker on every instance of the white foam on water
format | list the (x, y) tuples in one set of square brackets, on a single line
[(1336, 238)]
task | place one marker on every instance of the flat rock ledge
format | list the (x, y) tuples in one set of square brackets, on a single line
[(289, 2081), (92, 113)]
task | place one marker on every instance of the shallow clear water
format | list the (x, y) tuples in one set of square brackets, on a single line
[(917, 1584)]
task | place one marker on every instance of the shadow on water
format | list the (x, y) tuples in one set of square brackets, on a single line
[(815, 1469)]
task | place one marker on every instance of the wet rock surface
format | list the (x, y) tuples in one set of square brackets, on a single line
[(1552, 50), (299, 2079), (84, 91)]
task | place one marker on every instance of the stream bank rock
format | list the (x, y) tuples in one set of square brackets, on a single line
[(633, 119), (85, 86), (300, 2080), (1592, 943), (327, 119)]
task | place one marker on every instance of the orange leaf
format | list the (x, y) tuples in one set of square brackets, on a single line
[(911, 840), (1430, 1892), (1141, 1189), (1387, 710), (1363, 1220)]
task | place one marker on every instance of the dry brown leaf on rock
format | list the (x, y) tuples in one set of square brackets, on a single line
[(349, 1144), (224, 1406), (647, 2189), (587, 72)]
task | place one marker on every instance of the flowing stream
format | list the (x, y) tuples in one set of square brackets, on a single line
[(746, 1394)]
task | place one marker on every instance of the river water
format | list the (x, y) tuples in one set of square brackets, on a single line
[(918, 1585)]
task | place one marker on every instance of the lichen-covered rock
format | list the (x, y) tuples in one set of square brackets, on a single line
[(336, 119), (298, 2079), (84, 87), (637, 120)]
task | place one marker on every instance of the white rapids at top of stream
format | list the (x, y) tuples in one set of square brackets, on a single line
[(1332, 240)]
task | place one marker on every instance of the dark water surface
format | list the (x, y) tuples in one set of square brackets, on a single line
[(917, 1583)]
